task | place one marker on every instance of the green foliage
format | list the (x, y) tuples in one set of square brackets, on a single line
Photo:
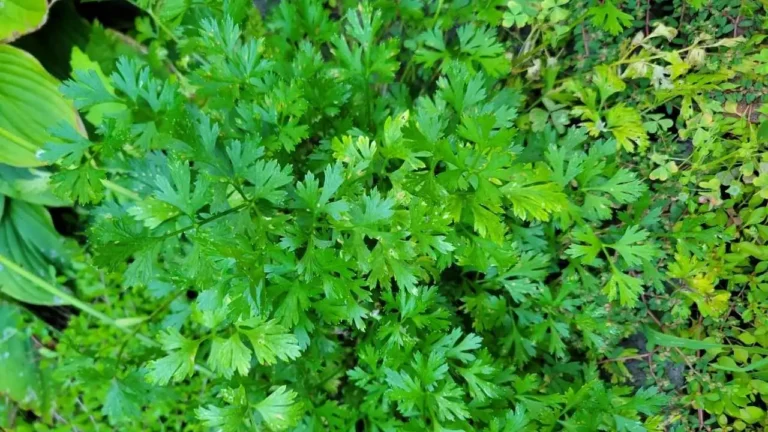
[(19, 17), (447, 216)]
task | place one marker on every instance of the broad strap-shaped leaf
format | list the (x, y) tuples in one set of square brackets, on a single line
[(30, 185), (20, 377), (27, 237), (30, 104)]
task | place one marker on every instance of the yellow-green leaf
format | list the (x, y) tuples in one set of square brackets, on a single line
[(626, 124), (747, 338), (751, 414), (19, 17)]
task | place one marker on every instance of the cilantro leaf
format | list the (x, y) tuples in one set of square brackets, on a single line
[(229, 355), (87, 89), (626, 124), (124, 400), (624, 287), (634, 254), (269, 341), (623, 186), (608, 17), (178, 191), (534, 201), (268, 179), (68, 146), (589, 251), (481, 46), (82, 184), (280, 409), (178, 363), (226, 419), (451, 348), (373, 210)]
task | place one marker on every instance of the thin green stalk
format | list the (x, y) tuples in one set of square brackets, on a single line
[(437, 12), (207, 220), (521, 59), (116, 188), (136, 329), (84, 307), (161, 25), (609, 258), (69, 298)]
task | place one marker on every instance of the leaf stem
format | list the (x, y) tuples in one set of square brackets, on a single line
[(437, 12), (84, 307), (70, 299), (136, 329), (161, 25), (114, 187), (207, 220)]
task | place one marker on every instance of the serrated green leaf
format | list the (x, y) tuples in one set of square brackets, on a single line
[(270, 341), (607, 16), (229, 355), (623, 186), (624, 287), (179, 361), (628, 248), (123, 402), (280, 409)]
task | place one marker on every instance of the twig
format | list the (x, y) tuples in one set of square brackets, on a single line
[(87, 411), (159, 23), (648, 18), (437, 13), (653, 317), (650, 366), (733, 305), (630, 357), (149, 319), (682, 17), (12, 412), (63, 420), (701, 421), (585, 40)]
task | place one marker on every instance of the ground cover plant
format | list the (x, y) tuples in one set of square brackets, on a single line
[(387, 216)]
